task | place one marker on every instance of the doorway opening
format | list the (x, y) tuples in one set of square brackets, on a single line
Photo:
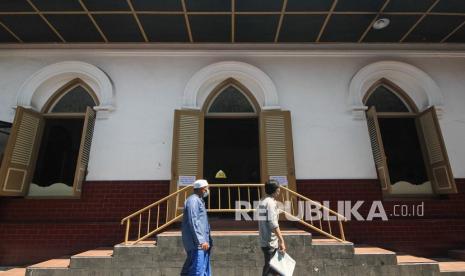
[(231, 144)]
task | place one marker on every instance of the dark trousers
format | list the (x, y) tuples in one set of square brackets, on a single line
[(268, 253)]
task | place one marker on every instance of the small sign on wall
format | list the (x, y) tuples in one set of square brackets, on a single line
[(186, 180), (282, 179)]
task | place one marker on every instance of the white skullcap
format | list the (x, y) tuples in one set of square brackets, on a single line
[(200, 183)]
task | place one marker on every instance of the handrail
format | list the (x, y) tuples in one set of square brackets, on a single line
[(168, 209), (288, 195), (314, 202), (156, 203)]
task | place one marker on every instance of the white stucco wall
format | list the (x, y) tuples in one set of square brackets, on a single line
[(134, 141)]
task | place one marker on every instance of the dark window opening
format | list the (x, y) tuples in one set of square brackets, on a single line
[(384, 100), (5, 129), (58, 152), (403, 151), (231, 100), (74, 101)]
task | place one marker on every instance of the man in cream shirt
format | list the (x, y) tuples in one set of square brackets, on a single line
[(270, 235)]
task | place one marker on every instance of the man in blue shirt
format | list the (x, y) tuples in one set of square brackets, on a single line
[(196, 232)]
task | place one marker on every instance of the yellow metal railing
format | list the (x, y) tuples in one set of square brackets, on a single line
[(161, 214), (297, 208)]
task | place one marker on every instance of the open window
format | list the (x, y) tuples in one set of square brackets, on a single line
[(408, 149), (56, 143)]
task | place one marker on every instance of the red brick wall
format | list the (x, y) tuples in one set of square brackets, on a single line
[(35, 230), (441, 228)]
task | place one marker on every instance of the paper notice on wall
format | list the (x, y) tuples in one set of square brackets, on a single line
[(282, 179), (186, 180)]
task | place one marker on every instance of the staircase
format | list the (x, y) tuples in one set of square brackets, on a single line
[(238, 253), (166, 212)]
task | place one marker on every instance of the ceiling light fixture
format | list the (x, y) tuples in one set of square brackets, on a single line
[(381, 23)]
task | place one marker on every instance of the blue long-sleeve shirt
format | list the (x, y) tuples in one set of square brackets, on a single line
[(195, 226)]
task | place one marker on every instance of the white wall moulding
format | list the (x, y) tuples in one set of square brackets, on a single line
[(246, 49), (204, 81), (39, 87), (418, 85)]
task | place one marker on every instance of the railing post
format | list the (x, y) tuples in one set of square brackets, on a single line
[(140, 225), (126, 236), (341, 229)]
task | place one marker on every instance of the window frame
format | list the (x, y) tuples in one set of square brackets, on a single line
[(414, 113), (61, 92), (396, 90), (46, 113), (242, 89)]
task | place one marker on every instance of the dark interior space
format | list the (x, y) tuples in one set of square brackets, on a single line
[(231, 145), (58, 152), (403, 150)]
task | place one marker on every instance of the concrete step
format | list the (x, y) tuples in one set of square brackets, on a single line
[(14, 272), (98, 258), (327, 248), (458, 254), (366, 255), (452, 267), (50, 267), (424, 266), (239, 253)]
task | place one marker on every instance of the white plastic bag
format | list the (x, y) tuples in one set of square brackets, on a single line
[(282, 263)]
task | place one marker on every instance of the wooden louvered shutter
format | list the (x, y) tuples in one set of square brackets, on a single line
[(439, 170), (84, 151), (21, 153), (378, 151), (187, 156), (276, 149)]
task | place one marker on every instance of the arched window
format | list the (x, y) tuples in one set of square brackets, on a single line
[(76, 100), (73, 98), (399, 142), (231, 100), (51, 154), (64, 148), (386, 100)]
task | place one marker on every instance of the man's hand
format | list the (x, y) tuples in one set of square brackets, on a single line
[(205, 246), (282, 246)]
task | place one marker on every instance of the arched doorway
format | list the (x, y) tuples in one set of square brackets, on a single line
[(231, 142), (231, 135), (232, 138)]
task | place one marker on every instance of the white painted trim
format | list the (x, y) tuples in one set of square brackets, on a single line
[(204, 81), (418, 85), (48, 79), (269, 49)]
